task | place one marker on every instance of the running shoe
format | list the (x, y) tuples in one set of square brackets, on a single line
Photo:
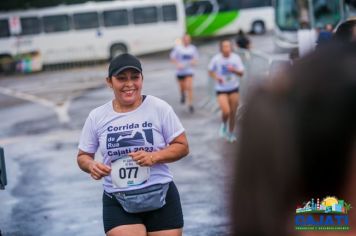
[(191, 109), (182, 99), (231, 137), (223, 130)]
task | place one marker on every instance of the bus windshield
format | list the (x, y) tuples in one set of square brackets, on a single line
[(287, 13), (291, 13), (326, 12)]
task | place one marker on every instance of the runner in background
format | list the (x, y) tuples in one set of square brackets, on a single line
[(226, 69), (184, 56), (243, 41)]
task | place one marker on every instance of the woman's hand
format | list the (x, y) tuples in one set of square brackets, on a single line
[(177, 149), (219, 79), (98, 170), (235, 70), (216, 77), (231, 68), (143, 158)]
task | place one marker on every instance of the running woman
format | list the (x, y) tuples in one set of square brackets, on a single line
[(184, 57), (226, 69), (137, 135)]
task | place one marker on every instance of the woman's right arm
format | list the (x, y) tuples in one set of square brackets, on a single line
[(87, 163), (174, 60), (212, 68), (214, 76)]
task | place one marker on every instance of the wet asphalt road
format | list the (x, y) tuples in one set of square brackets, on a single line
[(47, 194)]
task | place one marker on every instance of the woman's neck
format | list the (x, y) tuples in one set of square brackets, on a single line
[(226, 55), (121, 108)]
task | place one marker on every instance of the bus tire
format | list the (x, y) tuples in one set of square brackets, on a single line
[(117, 49), (258, 27)]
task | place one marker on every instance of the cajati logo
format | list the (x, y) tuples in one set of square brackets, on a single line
[(328, 214)]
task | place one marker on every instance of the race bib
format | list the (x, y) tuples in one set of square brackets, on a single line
[(229, 77), (125, 173), (186, 64)]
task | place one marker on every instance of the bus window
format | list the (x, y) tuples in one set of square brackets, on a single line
[(253, 3), (287, 14), (199, 8), (82, 24), (55, 23), (87, 20), (326, 12), (115, 18), (227, 5), (142, 15), (169, 13), (30, 25), (4, 29)]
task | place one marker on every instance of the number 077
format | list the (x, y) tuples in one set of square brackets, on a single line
[(128, 172)]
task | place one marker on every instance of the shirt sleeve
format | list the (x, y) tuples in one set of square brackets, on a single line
[(213, 65), (171, 127), (89, 141), (240, 65), (173, 54)]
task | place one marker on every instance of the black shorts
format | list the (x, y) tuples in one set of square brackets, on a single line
[(182, 77), (228, 92), (170, 216)]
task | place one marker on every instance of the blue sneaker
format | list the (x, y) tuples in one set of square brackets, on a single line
[(223, 130), (231, 137)]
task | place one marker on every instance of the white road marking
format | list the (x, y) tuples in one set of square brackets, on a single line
[(61, 109)]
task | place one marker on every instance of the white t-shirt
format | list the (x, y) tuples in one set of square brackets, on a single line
[(219, 65), (184, 55), (150, 127), (306, 41)]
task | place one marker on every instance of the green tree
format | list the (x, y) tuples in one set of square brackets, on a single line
[(347, 207)]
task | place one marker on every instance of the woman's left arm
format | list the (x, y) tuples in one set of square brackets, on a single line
[(176, 150), (238, 72)]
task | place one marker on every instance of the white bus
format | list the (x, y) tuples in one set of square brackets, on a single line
[(221, 17), (291, 13), (92, 30)]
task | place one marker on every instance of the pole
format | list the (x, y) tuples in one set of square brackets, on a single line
[(3, 180)]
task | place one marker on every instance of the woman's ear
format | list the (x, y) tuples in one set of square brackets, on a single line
[(109, 82)]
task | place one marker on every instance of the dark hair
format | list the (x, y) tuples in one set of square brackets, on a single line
[(295, 141), (345, 31), (324, 97)]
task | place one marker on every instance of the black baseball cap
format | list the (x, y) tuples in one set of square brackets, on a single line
[(123, 62)]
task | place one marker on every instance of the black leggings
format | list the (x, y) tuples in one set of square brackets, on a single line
[(236, 90)]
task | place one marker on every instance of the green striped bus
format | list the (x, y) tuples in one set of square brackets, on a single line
[(206, 18)]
